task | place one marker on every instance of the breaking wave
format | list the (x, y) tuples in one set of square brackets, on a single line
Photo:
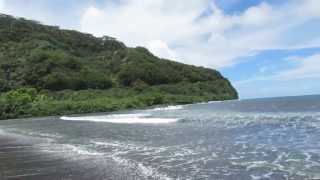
[(123, 119), (168, 108)]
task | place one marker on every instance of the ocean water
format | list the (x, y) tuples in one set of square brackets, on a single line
[(276, 138)]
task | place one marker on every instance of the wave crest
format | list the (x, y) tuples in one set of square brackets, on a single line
[(168, 108), (123, 119)]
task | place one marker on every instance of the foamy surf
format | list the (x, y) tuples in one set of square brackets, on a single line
[(168, 108), (123, 119), (67, 149)]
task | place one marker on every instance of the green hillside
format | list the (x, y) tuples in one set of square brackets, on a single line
[(48, 71)]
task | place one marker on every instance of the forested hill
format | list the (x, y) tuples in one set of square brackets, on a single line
[(54, 66)]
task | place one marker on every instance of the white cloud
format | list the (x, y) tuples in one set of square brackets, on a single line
[(308, 67), (1, 6), (45, 11), (160, 47), (310, 8), (26, 10), (304, 68), (175, 29), (257, 15), (301, 78)]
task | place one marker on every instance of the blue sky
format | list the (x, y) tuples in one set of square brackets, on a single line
[(265, 47)]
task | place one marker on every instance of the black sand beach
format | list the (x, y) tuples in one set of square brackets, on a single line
[(21, 161)]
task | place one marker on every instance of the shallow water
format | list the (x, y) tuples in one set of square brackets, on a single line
[(275, 138)]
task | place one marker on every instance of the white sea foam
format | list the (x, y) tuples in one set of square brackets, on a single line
[(168, 108), (121, 149), (123, 119), (24, 135), (81, 150), (126, 147), (145, 171), (66, 148)]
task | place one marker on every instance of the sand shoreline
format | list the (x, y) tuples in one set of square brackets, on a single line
[(21, 161)]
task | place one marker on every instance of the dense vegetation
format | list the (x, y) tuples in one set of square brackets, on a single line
[(48, 71)]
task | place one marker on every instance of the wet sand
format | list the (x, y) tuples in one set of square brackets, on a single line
[(22, 162)]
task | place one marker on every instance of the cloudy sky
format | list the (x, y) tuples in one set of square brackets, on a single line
[(265, 47)]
